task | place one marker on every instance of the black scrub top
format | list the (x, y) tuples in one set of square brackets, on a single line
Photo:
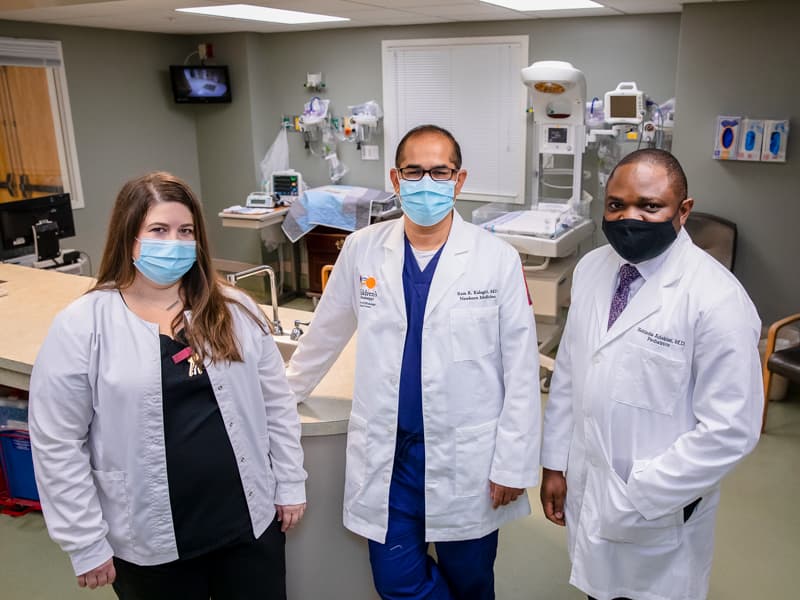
[(209, 509)]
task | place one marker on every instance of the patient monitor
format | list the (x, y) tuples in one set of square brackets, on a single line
[(287, 185), (624, 105)]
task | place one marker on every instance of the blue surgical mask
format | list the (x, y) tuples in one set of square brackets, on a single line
[(165, 261), (426, 202)]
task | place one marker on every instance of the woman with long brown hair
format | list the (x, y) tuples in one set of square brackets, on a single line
[(165, 439)]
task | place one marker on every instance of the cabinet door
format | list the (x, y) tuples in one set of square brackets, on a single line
[(29, 158), (315, 264), (323, 249), (8, 179)]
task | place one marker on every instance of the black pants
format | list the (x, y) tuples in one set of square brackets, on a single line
[(250, 571)]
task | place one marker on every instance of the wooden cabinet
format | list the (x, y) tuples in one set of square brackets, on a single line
[(323, 245)]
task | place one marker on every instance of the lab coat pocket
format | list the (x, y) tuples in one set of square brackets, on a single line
[(474, 332), (619, 521), (649, 379), (474, 454), (356, 464), (112, 491)]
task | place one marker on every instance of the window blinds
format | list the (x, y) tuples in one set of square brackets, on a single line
[(30, 53), (472, 87)]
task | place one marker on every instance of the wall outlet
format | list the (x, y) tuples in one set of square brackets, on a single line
[(370, 152)]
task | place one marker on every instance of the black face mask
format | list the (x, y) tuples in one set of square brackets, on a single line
[(636, 240)]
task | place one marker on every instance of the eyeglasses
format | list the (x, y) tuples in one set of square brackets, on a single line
[(436, 173)]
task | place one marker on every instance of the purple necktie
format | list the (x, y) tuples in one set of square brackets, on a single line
[(627, 275)]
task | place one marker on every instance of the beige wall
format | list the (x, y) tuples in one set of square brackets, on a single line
[(740, 58)]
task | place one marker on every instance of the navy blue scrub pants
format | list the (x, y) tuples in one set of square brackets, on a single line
[(402, 567)]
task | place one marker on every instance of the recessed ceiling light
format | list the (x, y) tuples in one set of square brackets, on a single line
[(532, 5), (249, 12)]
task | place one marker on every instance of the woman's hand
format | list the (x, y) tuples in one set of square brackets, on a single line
[(105, 574), (290, 514)]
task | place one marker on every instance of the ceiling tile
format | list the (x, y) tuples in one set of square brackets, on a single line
[(643, 6), (580, 12), (322, 7), (456, 11), (417, 3)]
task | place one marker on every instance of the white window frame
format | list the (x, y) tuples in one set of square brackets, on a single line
[(391, 136), (48, 53)]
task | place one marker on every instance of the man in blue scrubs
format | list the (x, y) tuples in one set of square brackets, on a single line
[(444, 430)]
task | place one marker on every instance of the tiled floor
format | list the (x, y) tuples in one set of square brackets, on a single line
[(758, 537)]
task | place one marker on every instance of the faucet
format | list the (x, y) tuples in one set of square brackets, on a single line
[(296, 331), (273, 292)]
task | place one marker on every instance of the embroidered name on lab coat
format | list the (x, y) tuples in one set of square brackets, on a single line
[(468, 295), (661, 340)]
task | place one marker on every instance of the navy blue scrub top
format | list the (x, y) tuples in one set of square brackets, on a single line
[(416, 285)]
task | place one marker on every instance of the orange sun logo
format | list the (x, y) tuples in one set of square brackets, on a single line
[(368, 282)]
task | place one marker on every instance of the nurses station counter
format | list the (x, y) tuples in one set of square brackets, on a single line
[(323, 559)]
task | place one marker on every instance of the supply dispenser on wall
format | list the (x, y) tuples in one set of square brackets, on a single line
[(362, 122), (746, 139), (726, 145), (776, 136), (752, 139)]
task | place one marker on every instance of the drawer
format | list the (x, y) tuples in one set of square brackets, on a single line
[(325, 243)]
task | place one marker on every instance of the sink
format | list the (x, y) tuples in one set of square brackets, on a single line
[(286, 347)]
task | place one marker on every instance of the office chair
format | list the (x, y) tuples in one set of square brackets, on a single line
[(715, 235), (326, 273), (784, 362)]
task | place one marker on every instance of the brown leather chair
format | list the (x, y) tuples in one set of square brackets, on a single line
[(715, 235), (784, 362)]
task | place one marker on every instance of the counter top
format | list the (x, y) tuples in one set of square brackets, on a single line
[(253, 221), (35, 296)]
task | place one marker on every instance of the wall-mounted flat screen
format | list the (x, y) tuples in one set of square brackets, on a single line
[(200, 84)]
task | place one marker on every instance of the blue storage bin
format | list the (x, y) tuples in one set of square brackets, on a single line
[(12, 410), (15, 451)]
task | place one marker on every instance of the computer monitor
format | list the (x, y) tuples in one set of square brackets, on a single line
[(18, 218)]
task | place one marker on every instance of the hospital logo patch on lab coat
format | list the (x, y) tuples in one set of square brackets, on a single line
[(368, 294)]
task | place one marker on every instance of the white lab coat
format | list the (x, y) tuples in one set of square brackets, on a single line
[(480, 369), (97, 431), (648, 416)]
